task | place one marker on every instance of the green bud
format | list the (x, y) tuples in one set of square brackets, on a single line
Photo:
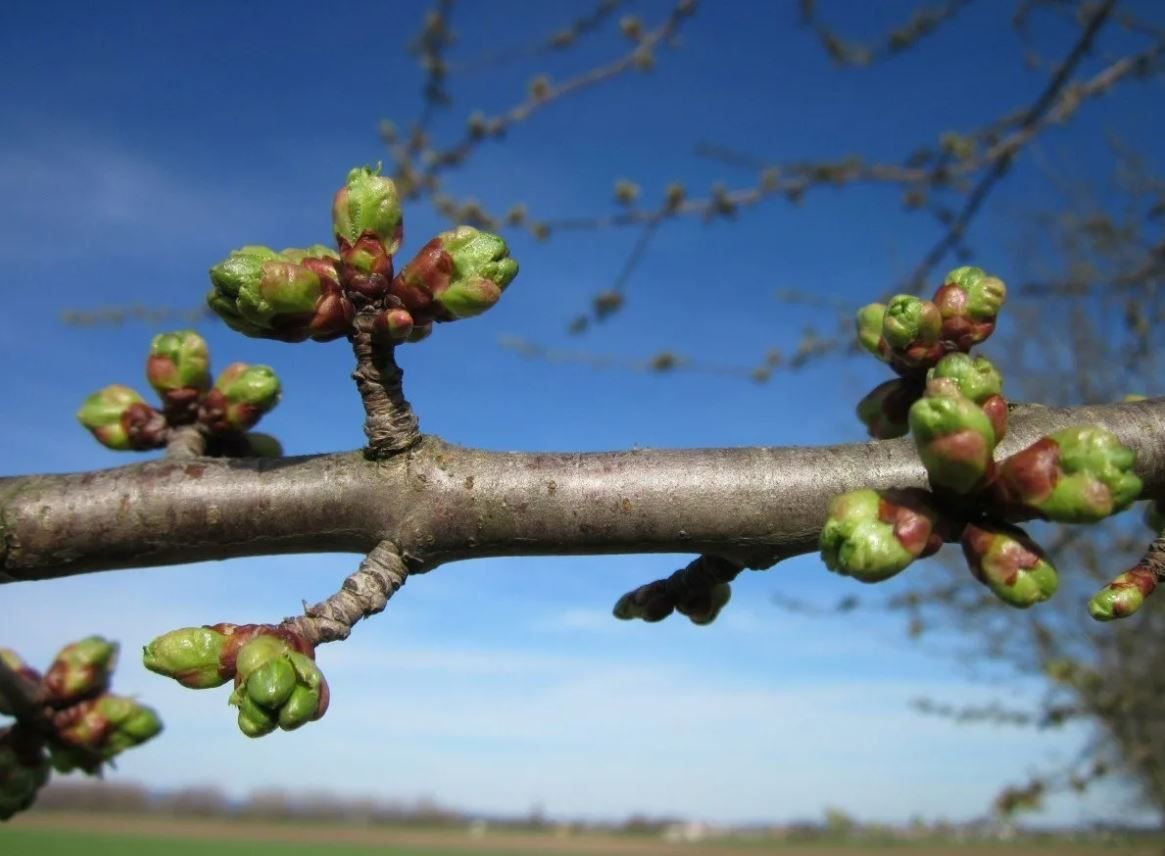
[(1077, 475), (955, 438), (885, 409), (869, 329), (263, 294), (178, 361), (1124, 595), (1008, 562), (969, 302), (276, 685), (368, 203), (241, 395), (871, 538), (263, 445), (910, 320), (120, 420), (24, 770), (315, 251), (80, 670), (985, 294), (458, 274), (976, 378), (192, 656), (95, 731)]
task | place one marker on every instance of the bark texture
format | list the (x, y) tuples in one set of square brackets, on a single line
[(437, 502)]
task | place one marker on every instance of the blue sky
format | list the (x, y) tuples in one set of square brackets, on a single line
[(143, 142)]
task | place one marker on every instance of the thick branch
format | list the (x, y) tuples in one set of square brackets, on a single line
[(439, 503)]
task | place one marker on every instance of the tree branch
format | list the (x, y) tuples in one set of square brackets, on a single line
[(439, 503)]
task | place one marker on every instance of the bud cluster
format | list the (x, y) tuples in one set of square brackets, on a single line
[(178, 368), (277, 683), (952, 404), (83, 726), (699, 592), (317, 293)]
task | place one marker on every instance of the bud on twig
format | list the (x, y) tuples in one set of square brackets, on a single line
[(1124, 595), (268, 295), (241, 395), (1077, 475), (969, 303), (193, 656), (97, 730), (979, 381), (885, 409), (121, 420), (276, 686), (80, 670), (910, 329), (955, 438), (178, 368), (367, 205), (872, 537), (24, 770), (458, 274), (1008, 562)]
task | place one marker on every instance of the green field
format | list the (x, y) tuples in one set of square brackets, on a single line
[(61, 834)]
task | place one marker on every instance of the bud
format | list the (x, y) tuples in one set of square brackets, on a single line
[(976, 377), (969, 303), (872, 537), (1124, 595), (241, 395), (1077, 475), (26, 672), (869, 330), (178, 368), (651, 602), (276, 686), (80, 670), (955, 438), (95, 731), (1008, 562), (703, 605), (885, 409), (263, 294), (121, 420), (458, 274), (261, 445), (193, 656), (368, 204), (24, 770), (393, 325), (910, 328)]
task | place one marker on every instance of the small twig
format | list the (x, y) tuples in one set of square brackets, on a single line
[(186, 441), (364, 593), (389, 421)]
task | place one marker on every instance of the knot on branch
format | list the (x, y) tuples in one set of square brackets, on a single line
[(364, 593), (698, 591)]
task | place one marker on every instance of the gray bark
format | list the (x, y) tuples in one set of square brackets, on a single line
[(439, 502)]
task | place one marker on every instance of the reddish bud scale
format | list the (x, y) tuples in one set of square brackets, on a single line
[(913, 528), (966, 446), (365, 269), (239, 635), (1139, 577), (959, 330), (915, 360), (214, 413), (426, 276), (334, 311), (180, 406), (1019, 553), (145, 427), (996, 409), (1028, 476)]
